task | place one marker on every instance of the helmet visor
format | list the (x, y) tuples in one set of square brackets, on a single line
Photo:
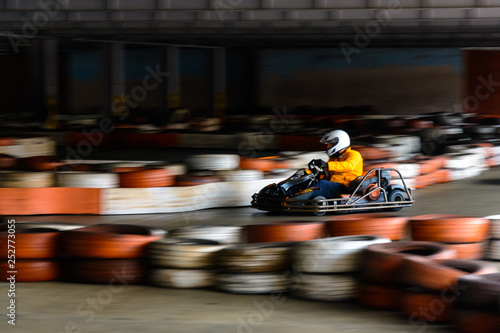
[(331, 140)]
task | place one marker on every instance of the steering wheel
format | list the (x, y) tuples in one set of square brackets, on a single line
[(317, 170)]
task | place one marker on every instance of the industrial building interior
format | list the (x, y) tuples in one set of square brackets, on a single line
[(136, 135)]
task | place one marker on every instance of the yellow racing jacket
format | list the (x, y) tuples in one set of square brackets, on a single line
[(346, 167)]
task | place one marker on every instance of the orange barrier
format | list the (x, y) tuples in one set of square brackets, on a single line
[(264, 164), (50, 200)]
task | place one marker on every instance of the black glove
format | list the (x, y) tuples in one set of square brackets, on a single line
[(320, 164)]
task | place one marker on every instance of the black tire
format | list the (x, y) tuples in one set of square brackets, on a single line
[(323, 204), (396, 195)]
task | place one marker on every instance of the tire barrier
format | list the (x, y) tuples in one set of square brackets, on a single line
[(448, 228), (381, 263), (264, 164), (333, 255), (285, 232), (86, 179), (391, 227), (325, 287), (475, 321), (492, 251), (7, 162), (146, 178), (477, 306), (183, 253), (181, 278), (110, 241), (213, 162), (118, 166), (372, 153), (426, 306), (41, 163), (36, 253), (253, 283), (106, 271), (28, 147), (469, 250), (440, 275), (432, 293), (35, 243), (255, 257), (480, 292), (24, 225), (451, 229), (32, 270), (192, 180), (240, 175), (20, 179), (224, 234), (380, 296), (326, 269)]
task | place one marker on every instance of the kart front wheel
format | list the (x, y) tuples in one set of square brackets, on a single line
[(319, 204), (395, 196)]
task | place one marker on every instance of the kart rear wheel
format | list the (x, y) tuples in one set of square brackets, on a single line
[(394, 196), (319, 204)]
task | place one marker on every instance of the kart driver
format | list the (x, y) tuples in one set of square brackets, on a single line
[(344, 165)]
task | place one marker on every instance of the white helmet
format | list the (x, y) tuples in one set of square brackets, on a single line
[(339, 139)]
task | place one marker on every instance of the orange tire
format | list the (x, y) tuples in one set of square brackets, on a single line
[(6, 142), (433, 178), (265, 164), (378, 296), (191, 180), (128, 169), (372, 153), (427, 274), (109, 241), (468, 250), (381, 263), (146, 178), (285, 232), (36, 243), (427, 307), (449, 228), (391, 227), (474, 321), (429, 164), (31, 270)]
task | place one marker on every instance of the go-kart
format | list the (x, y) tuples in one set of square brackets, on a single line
[(379, 189)]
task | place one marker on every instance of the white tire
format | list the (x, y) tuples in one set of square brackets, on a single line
[(19, 179), (213, 162), (181, 278), (183, 253), (255, 257), (87, 179), (240, 175), (493, 251), (494, 226), (218, 233), (333, 255), (253, 283), (325, 287)]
